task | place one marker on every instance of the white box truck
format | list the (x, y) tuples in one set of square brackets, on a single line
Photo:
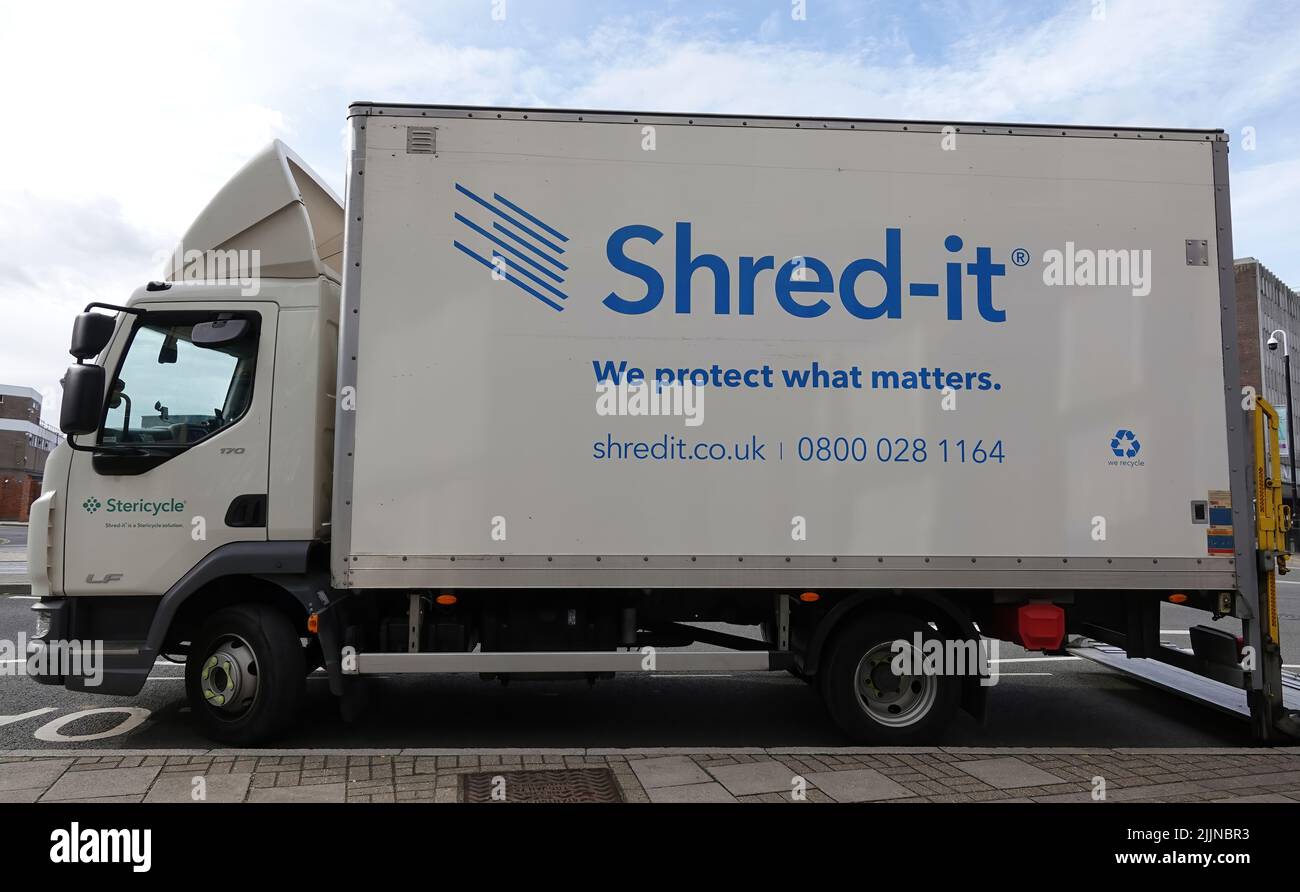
[(554, 392)]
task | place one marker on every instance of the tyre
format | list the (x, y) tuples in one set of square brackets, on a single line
[(245, 678), (872, 704)]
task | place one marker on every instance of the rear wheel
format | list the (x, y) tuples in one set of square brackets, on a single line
[(871, 702), (245, 676)]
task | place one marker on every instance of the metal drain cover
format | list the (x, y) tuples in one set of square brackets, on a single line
[(559, 785)]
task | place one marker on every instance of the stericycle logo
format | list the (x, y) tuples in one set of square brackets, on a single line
[(137, 506)]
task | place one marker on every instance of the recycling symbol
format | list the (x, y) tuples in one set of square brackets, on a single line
[(91, 504), (1125, 444)]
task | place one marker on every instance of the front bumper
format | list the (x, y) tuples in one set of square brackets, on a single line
[(100, 667)]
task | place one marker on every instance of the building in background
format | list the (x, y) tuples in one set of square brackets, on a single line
[(25, 443), (1265, 304)]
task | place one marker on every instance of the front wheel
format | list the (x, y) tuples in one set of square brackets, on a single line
[(870, 701), (245, 676)]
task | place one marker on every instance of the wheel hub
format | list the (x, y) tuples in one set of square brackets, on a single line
[(228, 679), (892, 698)]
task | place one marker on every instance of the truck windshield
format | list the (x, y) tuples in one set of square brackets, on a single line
[(170, 390)]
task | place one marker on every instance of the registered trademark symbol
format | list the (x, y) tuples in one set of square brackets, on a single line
[(1020, 257)]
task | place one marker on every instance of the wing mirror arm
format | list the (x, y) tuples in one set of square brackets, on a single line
[(83, 385)]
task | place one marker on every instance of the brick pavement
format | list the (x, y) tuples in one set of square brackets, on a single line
[(949, 774)]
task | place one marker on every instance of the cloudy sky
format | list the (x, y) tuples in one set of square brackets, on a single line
[(125, 118)]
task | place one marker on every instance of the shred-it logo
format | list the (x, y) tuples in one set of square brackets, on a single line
[(520, 248), (1124, 448)]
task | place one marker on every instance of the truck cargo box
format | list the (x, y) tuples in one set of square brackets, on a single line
[(902, 354)]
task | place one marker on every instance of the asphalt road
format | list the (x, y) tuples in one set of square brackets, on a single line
[(13, 554), (13, 535), (1039, 701)]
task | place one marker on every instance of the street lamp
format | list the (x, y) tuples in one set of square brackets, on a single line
[(1290, 412)]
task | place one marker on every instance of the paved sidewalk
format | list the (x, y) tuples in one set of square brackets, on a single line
[(949, 774), (13, 569)]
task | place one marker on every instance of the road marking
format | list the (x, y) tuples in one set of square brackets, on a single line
[(49, 732), (1000, 674), (1033, 660), (158, 662), (22, 597), (10, 719)]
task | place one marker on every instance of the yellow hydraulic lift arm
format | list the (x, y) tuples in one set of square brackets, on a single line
[(1272, 516), (1272, 522)]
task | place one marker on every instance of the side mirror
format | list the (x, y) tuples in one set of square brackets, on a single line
[(83, 399), (91, 333), (220, 331)]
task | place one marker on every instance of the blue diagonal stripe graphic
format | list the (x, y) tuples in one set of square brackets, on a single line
[(523, 272), (518, 210), (509, 278), (527, 244), (509, 219), (515, 251)]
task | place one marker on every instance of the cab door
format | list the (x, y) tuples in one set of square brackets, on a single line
[(179, 465)]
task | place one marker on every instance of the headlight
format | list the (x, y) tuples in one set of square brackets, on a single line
[(42, 612)]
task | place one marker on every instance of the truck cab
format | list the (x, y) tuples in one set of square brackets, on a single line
[(203, 412)]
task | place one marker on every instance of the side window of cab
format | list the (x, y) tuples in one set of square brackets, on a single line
[(184, 377)]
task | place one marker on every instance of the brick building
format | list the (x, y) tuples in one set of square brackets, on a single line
[(25, 442), (1265, 304)]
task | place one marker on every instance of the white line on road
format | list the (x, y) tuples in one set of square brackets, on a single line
[(1033, 660), (10, 719)]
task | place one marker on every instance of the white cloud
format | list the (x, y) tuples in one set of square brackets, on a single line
[(60, 256), (1264, 210)]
